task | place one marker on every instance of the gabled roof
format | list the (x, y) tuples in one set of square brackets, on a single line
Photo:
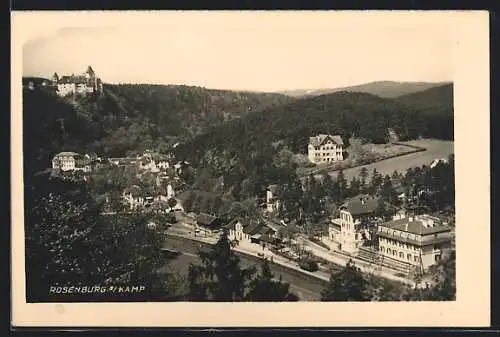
[(253, 228), (322, 138), (267, 238), (74, 79), (66, 154), (361, 204), (232, 224), (134, 190), (265, 230), (206, 220), (274, 225)]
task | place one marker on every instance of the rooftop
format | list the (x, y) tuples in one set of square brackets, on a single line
[(232, 223), (417, 225), (66, 154), (253, 228), (206, 220), (361, 204), (322, 138)]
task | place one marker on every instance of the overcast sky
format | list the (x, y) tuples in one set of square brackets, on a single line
[(247, 51)]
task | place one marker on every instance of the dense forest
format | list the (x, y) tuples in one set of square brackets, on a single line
[(130, 118), (243, 146), (435, 106)]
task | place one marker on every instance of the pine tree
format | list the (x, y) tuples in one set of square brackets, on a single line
[(220, 277), (363, 175), (354, 187), (376, 182), (342, 184), (346, 285), (387, 190), (264, 289), (68, 243)]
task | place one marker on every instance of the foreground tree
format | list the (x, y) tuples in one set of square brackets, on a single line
[(68, 243), (346, 285), (264, 289), (172, 202), (219, 277)]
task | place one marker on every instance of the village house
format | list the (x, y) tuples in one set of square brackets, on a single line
[(325, 148), (82, 84), (253, 231), (71, 161), (135, 197), (124, 161), (208, 223), (346, 232), (419, 240), (138, 198), (153, 162), (272, 201), (235, 230), (167, 184)]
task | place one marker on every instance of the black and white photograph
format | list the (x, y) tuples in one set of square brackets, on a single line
[(233, 160)]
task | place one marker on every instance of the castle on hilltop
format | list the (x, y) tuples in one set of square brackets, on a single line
[(83, 84)]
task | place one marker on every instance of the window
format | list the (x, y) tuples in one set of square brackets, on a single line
[(408, 257), (401, 255), (394, 252), (415, 258)]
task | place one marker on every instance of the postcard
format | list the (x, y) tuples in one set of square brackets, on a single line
[(225, 169)]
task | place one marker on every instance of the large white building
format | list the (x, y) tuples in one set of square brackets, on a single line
[(416, 240), (82, 84), (325, 148), (346, 232), (71, 161)]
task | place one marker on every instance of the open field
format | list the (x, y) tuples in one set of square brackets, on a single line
[(434, 149)]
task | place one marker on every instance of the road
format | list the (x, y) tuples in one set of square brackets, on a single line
[(307, 288)]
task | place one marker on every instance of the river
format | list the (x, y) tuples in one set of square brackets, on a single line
[(435, 149)]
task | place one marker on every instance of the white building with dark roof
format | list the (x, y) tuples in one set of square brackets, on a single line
[(419, 240), (325, 148), (346, 229), (272, 201), (83, 84), (71, 161)]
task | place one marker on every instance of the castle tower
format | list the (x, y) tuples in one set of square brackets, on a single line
[(90, 74), (55, 78)]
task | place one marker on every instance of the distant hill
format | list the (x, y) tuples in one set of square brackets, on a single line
[(384, 89), (435, 106), (433, 100)]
